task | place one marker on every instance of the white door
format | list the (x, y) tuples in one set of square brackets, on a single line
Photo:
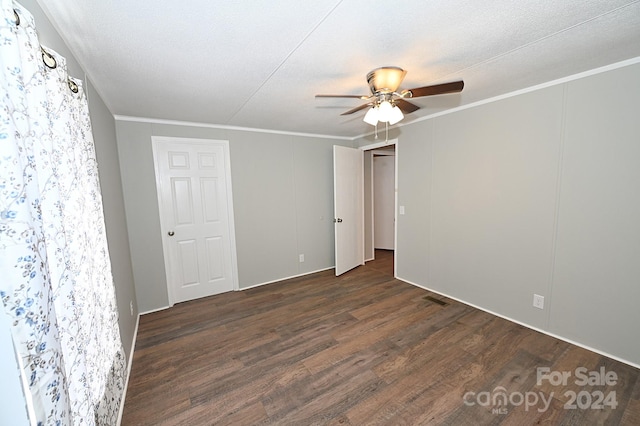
[(384, 197), (348, 196), (194, 194)]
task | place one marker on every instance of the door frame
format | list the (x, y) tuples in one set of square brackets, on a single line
[(372, 147), (155, 142)]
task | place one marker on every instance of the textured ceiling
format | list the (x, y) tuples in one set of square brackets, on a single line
[(258, 63)]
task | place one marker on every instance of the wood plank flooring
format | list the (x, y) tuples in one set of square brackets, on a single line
[(361, 349)]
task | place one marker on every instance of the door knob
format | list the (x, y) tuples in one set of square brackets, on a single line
[(171, 233), (338, 220)]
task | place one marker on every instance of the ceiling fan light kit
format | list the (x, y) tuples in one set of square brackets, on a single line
[(384, 112), (387, 104), (395, 115), (371, 117)]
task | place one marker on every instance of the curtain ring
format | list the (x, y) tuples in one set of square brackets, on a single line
[(15, 13), (48, 60), (72, 85)]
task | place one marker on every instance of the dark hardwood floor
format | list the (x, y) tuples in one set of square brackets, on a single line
[(363, 349)]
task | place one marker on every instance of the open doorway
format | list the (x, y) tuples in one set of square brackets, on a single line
[(380, 187), (384, 198), (354, 198)]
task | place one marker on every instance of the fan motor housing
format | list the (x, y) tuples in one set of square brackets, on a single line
[(385, 79)]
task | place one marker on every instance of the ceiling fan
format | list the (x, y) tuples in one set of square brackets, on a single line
[(386, 102)]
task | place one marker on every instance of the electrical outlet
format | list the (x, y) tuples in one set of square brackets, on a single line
[(301, 258), (131, 307), (538, 301)]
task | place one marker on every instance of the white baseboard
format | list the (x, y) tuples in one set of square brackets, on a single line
[(154, 310), (126, 381), (589, 348), (284, 279), (251, 286)]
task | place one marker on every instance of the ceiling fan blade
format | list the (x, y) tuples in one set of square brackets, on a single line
[(436, 89), (406, 107), (343, 96), (356, 109)]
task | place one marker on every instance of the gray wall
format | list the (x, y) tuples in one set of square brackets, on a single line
[(282, 198), (536, 193), (596, 275)]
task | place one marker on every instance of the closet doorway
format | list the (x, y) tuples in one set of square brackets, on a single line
[(380, 187), (384, 194)]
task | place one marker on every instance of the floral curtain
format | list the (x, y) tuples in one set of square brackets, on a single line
[(55, 274)]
